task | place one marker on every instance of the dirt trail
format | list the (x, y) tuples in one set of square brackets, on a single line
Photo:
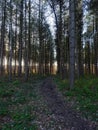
[(65, 116)]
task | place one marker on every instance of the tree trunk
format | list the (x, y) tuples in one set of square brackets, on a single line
[(96, 46), (20, 39), (72, 40), (88, 57), (62, 67), (15, 55), (40, 41), (10, 42), (26, 45), (2, 44), (29, 39)]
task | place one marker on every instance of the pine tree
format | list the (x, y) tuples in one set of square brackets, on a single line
[(72, 41)]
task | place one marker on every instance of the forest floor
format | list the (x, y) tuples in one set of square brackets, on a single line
[(38, 105)]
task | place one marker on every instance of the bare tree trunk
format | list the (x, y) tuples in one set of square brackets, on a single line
[(20, 39), (40, 40), (26, 43), (29, 40), (93, 46), (10, 42), (88, 57), (51, 58), (96, 46), (15, 55), (72, 40), (62, 67), (2, 44), (79, 29)]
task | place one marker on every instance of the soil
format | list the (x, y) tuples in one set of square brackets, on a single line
[(61, 113)]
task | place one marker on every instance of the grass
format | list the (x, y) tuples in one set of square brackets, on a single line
[(18, 100), (84, 96), (21, 104)]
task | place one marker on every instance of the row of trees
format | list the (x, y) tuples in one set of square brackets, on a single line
[(76, 40), (27, 45), (25, 39)]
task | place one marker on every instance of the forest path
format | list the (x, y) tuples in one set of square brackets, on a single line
[(37, 105), (65, 118)]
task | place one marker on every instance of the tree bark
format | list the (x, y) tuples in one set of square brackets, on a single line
[(72, 40), (79, 29), (2, 44), (96, 46), (10, 42), (16, 37), (20, 39)]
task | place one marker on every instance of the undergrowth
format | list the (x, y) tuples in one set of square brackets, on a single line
[(17, 102), (84, 95)]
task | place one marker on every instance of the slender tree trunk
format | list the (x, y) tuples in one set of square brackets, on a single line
[(10, 42), (93, 47), (2, 43), (27, 42), (79, 29), (58, 51), (72, 40), (88, 57), (96, 46), (62, 67), (15, 55), (40, 40), (26, 45), (29, 39), (51, 58), (20, 39)]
